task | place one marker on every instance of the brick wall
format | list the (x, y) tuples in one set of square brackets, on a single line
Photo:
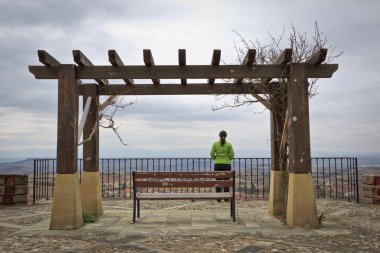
[(13, 189), (371, 189)]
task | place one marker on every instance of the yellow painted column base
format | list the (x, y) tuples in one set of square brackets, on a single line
[(276, 196), (302, 206), (67, 209), (91, 193)]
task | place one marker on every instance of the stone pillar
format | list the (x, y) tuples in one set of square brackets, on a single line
[(91, 192), (276, 194), (301, 206), (67, 209)]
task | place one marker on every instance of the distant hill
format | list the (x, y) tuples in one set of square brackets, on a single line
[(18, 167)]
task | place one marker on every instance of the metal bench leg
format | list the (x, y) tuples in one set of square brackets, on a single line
[(231, 207), (138, 209), (234, 210), (134, 210)]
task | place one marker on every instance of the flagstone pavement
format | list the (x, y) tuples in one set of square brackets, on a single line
[(185, 226)]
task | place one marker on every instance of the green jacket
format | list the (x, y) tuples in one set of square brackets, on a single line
[(222, 154)]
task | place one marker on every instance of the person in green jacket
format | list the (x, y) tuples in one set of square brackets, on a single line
[(222, 153)]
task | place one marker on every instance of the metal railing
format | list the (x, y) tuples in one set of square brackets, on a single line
[(333, 177)]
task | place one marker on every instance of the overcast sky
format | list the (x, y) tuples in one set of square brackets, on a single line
[(344, 116)]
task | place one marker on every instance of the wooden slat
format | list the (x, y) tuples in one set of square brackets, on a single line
[(47, 59), (115, 60), (214, 183), (82, 60), (248, 60), (167, 196), (188, 71), (284, 58), (318, 57), (149, 62), (211, 174), (174, 89), (215, 60), (182, 61)]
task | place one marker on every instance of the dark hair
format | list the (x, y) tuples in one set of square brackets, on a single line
[(222, 135)]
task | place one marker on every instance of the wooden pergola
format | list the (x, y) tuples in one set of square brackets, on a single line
[(70, 197)]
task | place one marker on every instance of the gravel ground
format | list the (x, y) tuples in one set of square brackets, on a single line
[(363, 221)]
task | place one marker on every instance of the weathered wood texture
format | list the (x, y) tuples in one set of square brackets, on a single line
[(203, 183), (180, 72), (82, 60), (182, 62), (283, 59), (318, 57), (149, 63), (91, 147), (47, 59), (173, 89), (248, 60), (211, 174), (67, 135), (215, 60), (299, 129), (115, 60), (276, 126)]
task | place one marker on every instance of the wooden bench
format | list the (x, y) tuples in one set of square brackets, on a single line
[(158, 183)]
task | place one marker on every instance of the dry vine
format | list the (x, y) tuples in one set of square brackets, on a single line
[(272, 93)]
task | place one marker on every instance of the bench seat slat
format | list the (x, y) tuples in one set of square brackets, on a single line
[(210, 174), (209, 183), (168, 196)]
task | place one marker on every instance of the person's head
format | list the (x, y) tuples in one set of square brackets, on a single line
[(223, 136)]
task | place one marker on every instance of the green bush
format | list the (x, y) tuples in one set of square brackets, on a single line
[(88, 217)]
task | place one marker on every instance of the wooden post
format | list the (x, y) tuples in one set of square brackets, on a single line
[(276, 194), (91, 194), (301, 207), (67, 209)]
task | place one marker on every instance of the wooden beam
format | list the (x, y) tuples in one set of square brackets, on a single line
[(248, 60), (67, 134), (84, 117), (115, 60), (82, 60), (188, 71), (182, 62), (299, 129), (172, 89), (91, 147), (149, 62), (318, 57), (215, 60), (284, 58), (46, 58)]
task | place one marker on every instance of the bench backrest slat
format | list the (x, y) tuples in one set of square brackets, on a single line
[(208, 183), (211, 174)]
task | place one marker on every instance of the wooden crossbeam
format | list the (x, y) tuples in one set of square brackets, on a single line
[(82, 60), (182, 61), (46, 58), (318, 57), (248, 60), (172, 89), (149, 62), (215, 60), (188, 72), (284, 58), (115, 60)]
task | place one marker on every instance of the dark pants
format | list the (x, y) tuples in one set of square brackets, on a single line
[(222, 167)]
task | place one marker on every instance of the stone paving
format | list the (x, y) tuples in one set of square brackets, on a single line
[(185, 226)]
